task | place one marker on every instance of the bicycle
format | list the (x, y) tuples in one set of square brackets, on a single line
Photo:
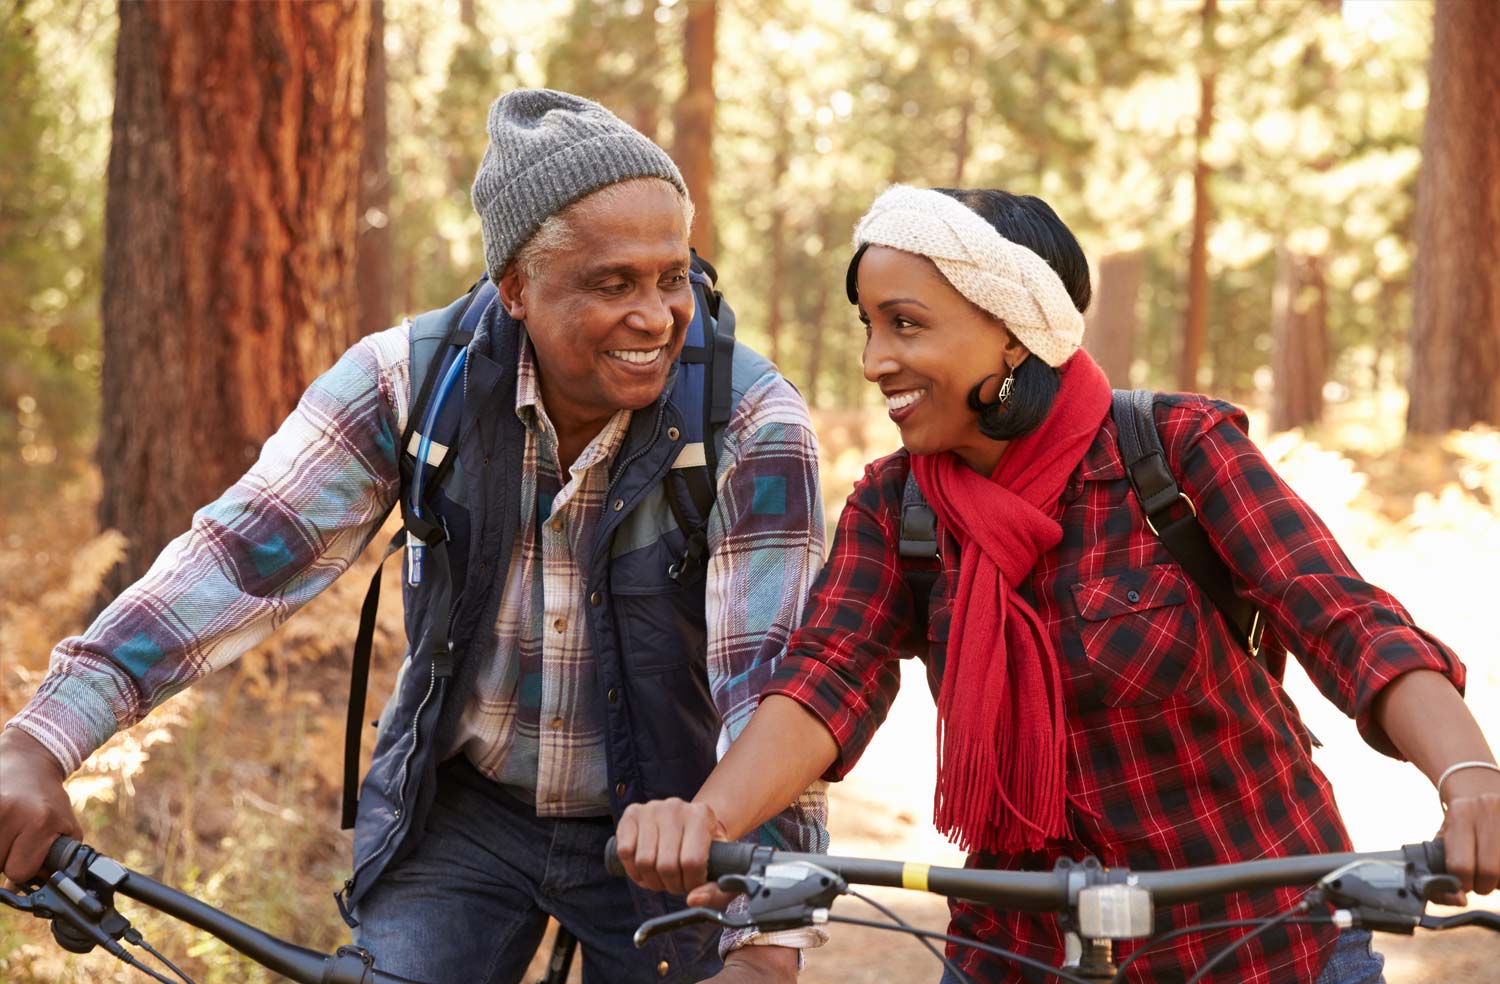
[(1383, 891), (78, 899)]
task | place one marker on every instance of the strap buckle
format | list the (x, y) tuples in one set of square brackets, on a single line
[(1151, 522), (1256, 634)]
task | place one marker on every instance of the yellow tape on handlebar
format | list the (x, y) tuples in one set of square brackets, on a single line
[(914, 876)]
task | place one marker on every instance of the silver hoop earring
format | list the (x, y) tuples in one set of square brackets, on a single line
[(1005, 389)]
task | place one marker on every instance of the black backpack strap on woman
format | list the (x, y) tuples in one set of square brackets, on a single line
[(1173, 517)]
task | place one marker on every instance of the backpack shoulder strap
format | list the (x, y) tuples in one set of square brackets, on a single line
[(918, 544), (438, 340), (705, 391), (1173, 517)]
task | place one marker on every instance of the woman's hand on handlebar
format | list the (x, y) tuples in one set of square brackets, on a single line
[(664, 847), (34, 806), (1471, 830)]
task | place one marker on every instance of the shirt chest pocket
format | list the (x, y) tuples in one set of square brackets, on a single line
[(1140, 634)]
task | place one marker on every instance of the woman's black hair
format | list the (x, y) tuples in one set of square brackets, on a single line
[(1030, 222)]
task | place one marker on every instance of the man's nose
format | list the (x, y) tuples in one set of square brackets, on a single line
[(651, 313)]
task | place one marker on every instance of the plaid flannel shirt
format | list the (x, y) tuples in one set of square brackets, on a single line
[(1181, 750), (315, 498)]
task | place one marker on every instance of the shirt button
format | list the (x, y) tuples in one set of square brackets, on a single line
[(560, 625), (557, 724), (1132, 596), (673, 433), (619, 504), (613, 696), (595, 598), (663, 968), (556, 524)]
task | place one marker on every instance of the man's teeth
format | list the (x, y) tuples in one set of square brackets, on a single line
[(639, 357), (903, 400)]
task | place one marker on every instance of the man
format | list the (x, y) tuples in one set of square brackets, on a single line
[(578, 673)]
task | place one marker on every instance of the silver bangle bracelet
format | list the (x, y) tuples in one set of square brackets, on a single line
[(1457, 766)]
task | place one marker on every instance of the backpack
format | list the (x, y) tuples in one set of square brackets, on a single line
[(1170, 514), (428, 453)]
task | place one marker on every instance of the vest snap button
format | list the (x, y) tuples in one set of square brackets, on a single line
[(673, 433), (619, 504), (619, 789), (595, 598), (613, 696), (663, 968)]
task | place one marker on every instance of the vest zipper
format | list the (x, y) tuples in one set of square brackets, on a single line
[(661, 409), (401, 779)]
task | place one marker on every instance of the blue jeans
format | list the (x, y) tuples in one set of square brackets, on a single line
[(1352, 962), (470, 904)]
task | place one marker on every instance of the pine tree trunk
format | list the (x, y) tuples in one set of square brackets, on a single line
[(1455, 339), (1299, 341), (229, 243), (644, 92), (693, 123), (1111, 319), (1195, 328), (777, 244), (373, 247)]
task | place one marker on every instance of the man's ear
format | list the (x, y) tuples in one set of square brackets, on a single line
[(512, 288)]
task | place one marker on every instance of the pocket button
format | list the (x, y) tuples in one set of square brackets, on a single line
[(1132, 596)]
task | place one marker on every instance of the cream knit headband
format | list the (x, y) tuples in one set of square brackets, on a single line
[(1004, 278)]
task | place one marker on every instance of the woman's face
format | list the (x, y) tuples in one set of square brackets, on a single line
[(926, 346)]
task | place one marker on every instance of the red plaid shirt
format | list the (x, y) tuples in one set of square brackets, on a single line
[(1186, 752)]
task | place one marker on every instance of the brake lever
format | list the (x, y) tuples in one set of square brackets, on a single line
[(1473, 917), (687, 917), (1385, 896)]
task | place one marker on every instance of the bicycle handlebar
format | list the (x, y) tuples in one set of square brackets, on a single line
[(1056, 889), (287, 959)]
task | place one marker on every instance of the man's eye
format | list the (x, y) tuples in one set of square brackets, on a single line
[(613, 289), (675, 280)]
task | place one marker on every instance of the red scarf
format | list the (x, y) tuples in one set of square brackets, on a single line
[(1001, 732)]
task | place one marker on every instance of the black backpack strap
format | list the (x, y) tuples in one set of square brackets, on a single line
[(918, 544), (465, 318), (713, 333), (359, 683), (1172, 516)]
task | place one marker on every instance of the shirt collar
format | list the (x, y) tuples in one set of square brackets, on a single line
[(533, 414)]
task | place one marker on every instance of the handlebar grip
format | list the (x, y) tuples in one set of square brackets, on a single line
[(61, 852), (1429, 855), (724, 858)]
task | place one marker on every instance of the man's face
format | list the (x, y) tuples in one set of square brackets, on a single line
[(607, 315)]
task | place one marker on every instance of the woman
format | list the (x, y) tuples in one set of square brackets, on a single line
[(1091, 700)]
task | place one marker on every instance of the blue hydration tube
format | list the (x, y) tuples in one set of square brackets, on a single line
[(414, 548)]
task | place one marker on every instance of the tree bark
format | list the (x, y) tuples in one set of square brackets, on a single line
[(1455, 340), (776, 302), (1111, 320), (693, 122), (1299, 341), (373, 248), (229, 243), (1195, 328), (644, 92)]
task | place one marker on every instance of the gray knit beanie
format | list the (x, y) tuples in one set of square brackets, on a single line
[(547, 150)]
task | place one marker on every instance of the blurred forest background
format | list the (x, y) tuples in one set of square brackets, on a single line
[(1290, 204)]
